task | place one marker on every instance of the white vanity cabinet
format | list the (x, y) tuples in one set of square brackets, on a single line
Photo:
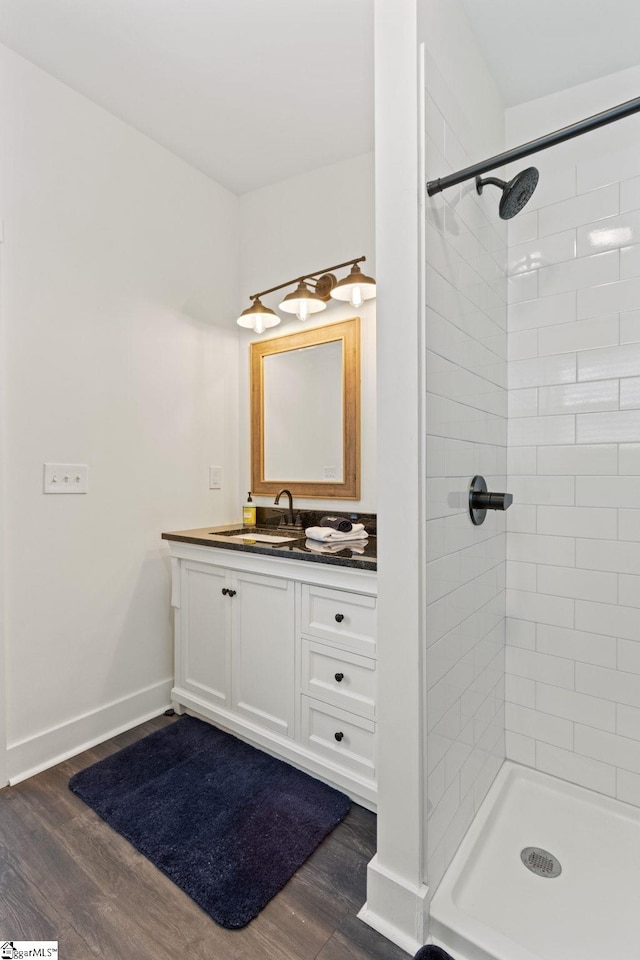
[(203, 632), (232, 618), (263, 650), (283, 654), (338, 676)]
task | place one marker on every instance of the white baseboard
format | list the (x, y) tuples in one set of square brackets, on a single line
[(44, 750), (395, 908)]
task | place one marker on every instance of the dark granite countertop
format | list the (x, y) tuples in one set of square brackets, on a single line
[(360, 554)]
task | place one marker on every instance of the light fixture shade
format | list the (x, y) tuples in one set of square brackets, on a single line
[(302, 302), (355, 288), (258, 317)]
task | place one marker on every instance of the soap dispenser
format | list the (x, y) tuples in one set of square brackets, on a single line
[(249, 512)]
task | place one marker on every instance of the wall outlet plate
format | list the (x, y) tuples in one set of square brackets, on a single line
[(66, 478)]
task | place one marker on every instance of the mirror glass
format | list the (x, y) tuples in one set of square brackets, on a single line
[(305, 411)]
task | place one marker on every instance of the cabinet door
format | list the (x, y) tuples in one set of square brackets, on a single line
[(342, 737), (345, 679), (203, 657), (348, 619), (263, 651)]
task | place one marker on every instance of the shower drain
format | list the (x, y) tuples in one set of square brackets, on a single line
[(541, 862)]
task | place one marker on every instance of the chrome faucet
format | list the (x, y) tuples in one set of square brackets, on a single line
[(277, 501)]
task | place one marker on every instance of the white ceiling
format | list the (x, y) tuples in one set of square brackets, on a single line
[(248, 91), (252, 92), (537, 47)]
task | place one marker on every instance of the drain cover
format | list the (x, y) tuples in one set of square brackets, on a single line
[(541, 862)]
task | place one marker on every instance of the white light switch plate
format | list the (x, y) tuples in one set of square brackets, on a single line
[(66, 478), (215, 478)]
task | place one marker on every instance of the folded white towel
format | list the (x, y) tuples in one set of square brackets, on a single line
[(320, 546), (328, 534)]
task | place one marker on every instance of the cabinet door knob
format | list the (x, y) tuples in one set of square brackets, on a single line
[(339, 677), (339, 735), (231, 593), (225, 591), (339, 617)]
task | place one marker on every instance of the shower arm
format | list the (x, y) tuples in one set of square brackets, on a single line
[(533, 146)]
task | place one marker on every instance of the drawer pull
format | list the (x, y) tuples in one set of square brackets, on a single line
[(339, 617), (225, 591), (339, 677), (231, 593), (339, 735)]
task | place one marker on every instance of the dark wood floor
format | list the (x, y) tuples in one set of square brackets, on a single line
[(65, 875)]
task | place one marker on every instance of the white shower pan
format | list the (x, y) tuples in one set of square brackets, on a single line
[(490, 906)]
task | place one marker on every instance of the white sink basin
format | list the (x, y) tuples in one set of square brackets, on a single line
[(261, 538)]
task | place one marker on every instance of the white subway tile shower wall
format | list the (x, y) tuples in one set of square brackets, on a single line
[(573, 541), (466, 413)]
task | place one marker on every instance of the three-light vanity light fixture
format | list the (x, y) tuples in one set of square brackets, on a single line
[(311, 295)]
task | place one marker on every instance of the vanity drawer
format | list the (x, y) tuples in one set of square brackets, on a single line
[(344, 679), (344, 738), (341, 617)]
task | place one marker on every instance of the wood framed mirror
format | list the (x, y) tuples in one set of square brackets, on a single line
[(305, 412)]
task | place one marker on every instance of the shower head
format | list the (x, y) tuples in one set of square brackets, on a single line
[(515, 193)]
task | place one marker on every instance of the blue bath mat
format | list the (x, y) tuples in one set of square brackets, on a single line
[(226, 822)]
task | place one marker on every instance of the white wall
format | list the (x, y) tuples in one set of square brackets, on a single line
[(466, 427), (118, 299), (441, 327), (3, 605), (395, 889), (573, 682), (303, 224)]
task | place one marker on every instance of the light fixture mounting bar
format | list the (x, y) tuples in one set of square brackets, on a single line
[(534, 146), (307, 276)]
